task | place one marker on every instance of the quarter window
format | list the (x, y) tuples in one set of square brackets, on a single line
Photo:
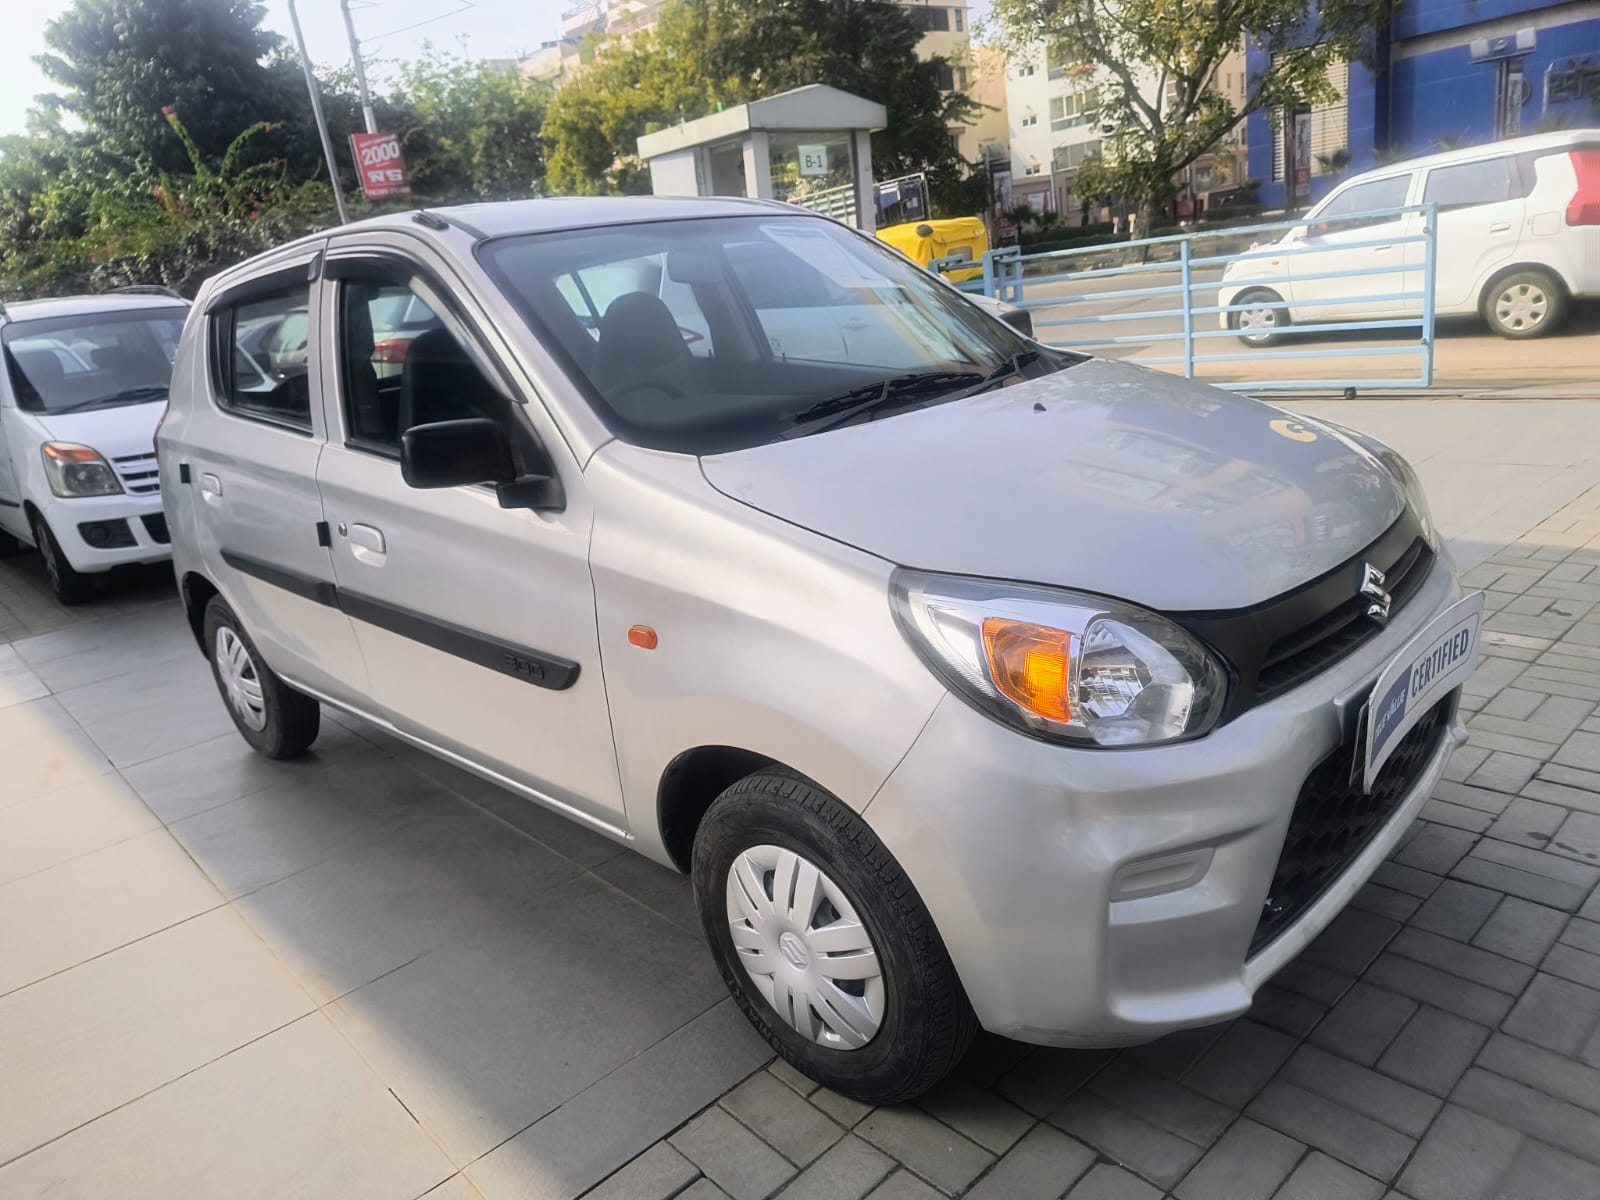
[(264, 371), (1485, 182)]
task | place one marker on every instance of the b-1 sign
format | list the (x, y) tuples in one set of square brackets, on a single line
[(813, 160), (381, 165)]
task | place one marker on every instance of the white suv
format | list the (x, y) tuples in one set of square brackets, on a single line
[(83, 387), (1518, 241)]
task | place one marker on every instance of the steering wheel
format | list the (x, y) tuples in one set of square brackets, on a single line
[(670, 391)]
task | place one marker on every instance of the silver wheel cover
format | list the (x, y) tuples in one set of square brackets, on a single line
[(802, 944), (1258, 320), (1522, 306), (241, 684)]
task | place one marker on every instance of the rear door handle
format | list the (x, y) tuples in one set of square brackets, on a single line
[(210, 488), (367, 544), (1501, 227)]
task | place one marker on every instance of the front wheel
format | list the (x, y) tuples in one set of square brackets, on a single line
[(1263, 323), (276, 720), (1525, 304), (824, 942), (71, 586)]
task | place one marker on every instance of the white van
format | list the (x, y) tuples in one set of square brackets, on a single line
[(1518, 241), (83, 387)]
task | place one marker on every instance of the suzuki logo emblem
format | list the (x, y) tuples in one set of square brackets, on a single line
[(1372, 589)]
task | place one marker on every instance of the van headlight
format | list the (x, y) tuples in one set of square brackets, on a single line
[(1062, 665), (75, 471)]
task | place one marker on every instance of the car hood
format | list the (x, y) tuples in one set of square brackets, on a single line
[(117, 432), (1103, 477)]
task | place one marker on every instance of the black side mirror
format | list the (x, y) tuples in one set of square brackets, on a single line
[(452, 453), (472, 450)]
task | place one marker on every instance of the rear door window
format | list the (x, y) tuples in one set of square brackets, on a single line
[(1488, 181), (262, 367)]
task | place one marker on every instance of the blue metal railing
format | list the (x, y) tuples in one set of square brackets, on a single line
[(1034, 281)]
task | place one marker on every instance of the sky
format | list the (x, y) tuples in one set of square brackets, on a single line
[(479, 28)]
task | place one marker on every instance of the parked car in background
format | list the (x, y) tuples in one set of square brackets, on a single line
[(1518, 241), (975, 683), (84, 384)]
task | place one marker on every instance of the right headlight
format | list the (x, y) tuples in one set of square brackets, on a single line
[(1062, 665), (75, 470)]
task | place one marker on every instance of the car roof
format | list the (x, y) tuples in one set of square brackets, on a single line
[(505, 218), (79, 306), (1559, 140)]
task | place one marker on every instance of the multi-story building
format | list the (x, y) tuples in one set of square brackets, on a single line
[(1447, 73), (1056, 121)]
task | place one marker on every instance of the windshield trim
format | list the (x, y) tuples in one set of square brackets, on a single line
[(1010, 341)]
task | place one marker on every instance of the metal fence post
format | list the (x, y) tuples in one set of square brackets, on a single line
[(1188, 309), (988, 274), (1430, 240)]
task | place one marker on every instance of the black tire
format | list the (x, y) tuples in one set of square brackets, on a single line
[(289, 720), (70, 586), (1524, 304), (1278, 318), (926, 1024)]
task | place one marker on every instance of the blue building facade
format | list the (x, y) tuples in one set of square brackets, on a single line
[(1453, 73)]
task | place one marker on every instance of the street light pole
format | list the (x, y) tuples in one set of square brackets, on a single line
[(316, 111), (367, 115)]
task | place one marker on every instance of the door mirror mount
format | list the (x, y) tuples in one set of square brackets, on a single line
[(541, 493)]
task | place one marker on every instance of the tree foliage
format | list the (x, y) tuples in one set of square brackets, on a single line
[(178, 138), (470, 130), (1156, 64), (708, 54)]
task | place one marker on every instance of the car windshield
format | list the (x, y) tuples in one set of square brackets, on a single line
[(95, 360), (714, 334)]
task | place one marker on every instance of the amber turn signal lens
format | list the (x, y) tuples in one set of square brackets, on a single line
[(643, 637), (67, 452), (1028, 663)]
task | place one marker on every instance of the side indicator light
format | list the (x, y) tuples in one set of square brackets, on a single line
[(643, 637)]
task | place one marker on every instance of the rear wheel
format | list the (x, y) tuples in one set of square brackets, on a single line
[(1262, 324), (276, 720), (1525, 304), (70, 586), (824, 942)]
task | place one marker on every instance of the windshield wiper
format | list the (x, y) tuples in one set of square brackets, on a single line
[(899, 389), (125, 396)]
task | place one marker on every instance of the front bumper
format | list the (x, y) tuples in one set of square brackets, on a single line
[(67, 517), (1106, 897)]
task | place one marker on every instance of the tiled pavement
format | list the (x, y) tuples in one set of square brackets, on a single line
[(369, 975)]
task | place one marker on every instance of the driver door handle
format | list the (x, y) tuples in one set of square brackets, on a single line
[(367, 544), (210, 488)]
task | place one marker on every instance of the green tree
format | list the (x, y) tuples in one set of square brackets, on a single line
[(1156, 64), (118, 63), (707, 54), (471, 130)]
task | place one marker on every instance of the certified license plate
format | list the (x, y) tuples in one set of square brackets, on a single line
[(1439, 659)]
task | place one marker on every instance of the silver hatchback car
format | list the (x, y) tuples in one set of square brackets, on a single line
[(976, 683)]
